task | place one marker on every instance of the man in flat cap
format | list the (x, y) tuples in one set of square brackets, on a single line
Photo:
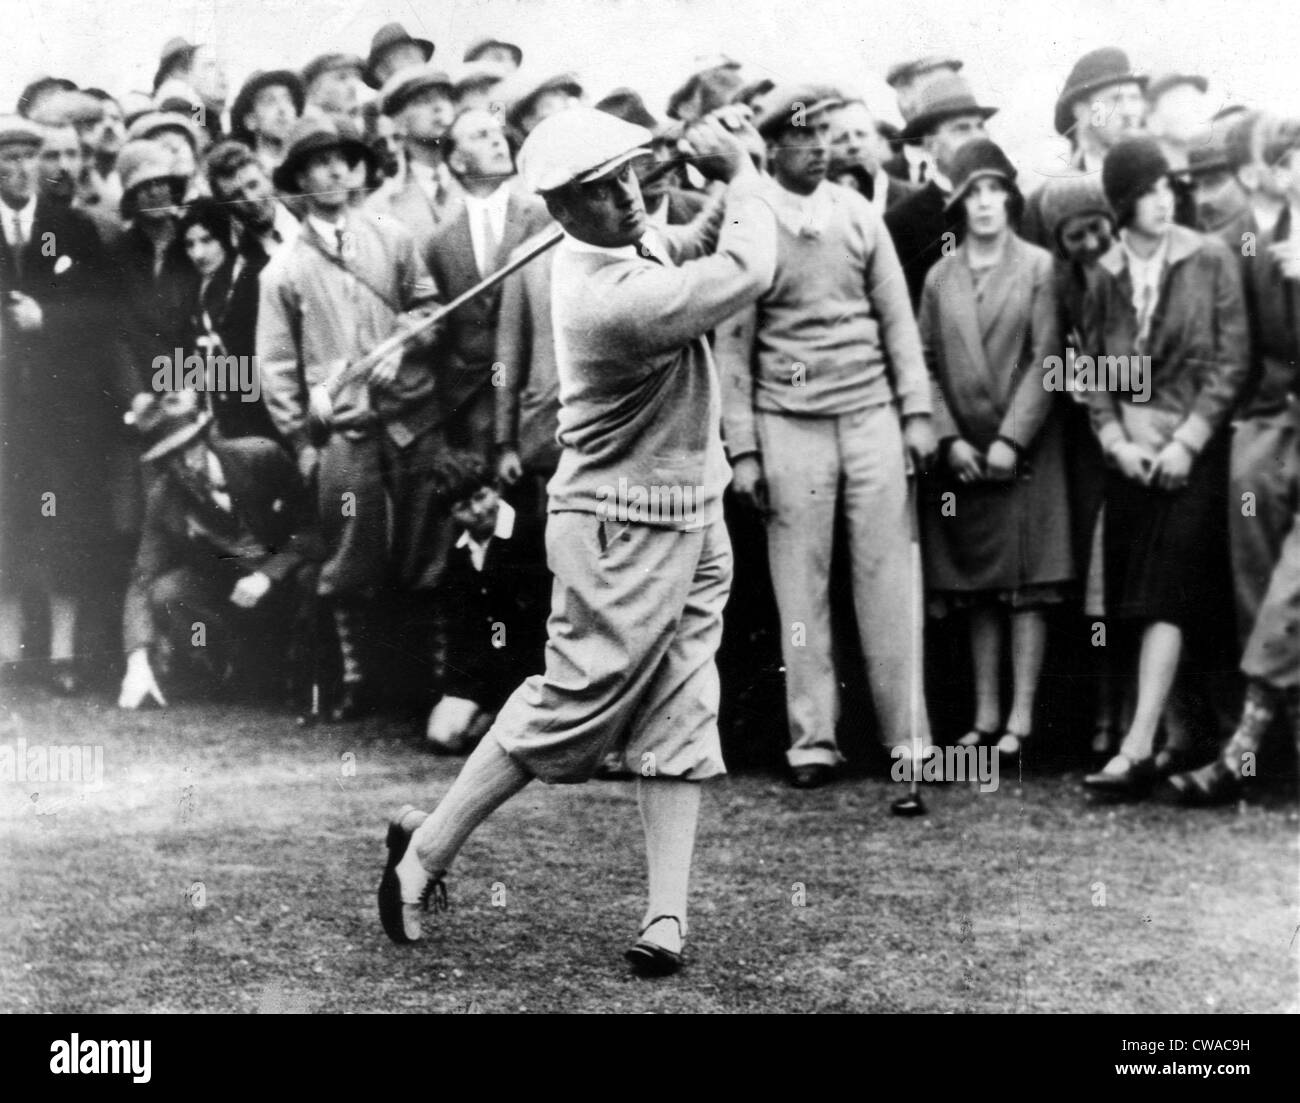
[(264, 112), (391, 50), (332, 84), (419, 101), (947, 117), (362, 428), (1178, 114), (635, 535), (826, 404), (911, 163)]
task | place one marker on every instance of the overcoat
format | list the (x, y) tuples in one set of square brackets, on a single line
[(987, 352)]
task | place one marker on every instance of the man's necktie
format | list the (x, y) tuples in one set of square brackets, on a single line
[(922, 172), (19, 244)]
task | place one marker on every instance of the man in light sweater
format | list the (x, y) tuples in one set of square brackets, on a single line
[(635, 537), (825, 386)]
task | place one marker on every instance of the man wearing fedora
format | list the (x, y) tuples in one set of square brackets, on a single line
[(264, 112), (528, 100), (56, 422), (1102, 102), (419, 101), (911, 163), (947, 117), (392, 49), (180, 136), (826, 401), (332, 84), (227, 549), (637, 601), (200, 68), (506, 57), (363, 429)]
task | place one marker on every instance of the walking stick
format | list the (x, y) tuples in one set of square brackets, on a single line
[(912, 804)]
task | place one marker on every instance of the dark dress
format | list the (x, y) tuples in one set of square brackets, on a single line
[(223, 321)]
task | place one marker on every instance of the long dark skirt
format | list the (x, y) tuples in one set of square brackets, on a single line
[(1166, 554)]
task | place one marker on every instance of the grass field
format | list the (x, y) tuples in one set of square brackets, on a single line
[(801, 901)]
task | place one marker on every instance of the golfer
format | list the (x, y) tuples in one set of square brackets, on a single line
[(635, 537)]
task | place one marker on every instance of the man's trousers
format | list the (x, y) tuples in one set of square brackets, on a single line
[(857, 461)]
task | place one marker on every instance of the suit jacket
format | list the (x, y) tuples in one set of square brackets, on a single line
[(406, 202), (528, 399), (149, 311), (269, 528), (467, 346), (917, 226), (59, 414), (898, 191)]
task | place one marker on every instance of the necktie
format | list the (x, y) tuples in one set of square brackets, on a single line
[(342, 236), (19, 243), (488, 242), (922, 173)]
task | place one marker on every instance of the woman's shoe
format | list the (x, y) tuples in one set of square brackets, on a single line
[(649, 959), (1011, 744), (976, 737), (1203, 788), (1171, 760), (1123, 776)]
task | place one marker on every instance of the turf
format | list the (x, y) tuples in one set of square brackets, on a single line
[(801, 901)]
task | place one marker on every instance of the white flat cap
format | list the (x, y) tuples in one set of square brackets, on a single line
[(577, 145)]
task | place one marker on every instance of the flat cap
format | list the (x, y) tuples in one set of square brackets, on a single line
[(15, 130), (794, 104), (404, 85), (479, 47), (910, 70), (578, 145), (1160, 83)]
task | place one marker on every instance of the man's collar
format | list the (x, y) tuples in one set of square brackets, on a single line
[(497, 200), (328, 231), (940, 180), (574, 245), (27, 212), (504, 530)]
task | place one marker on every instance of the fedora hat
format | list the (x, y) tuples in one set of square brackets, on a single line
[(627, 104), (947, 96), (327, 63), (272, 78), (1095, 70), (388, 36), (314, 133), (519, 92), (404, 85), (171, 53), (16, 130), (481, 46), (168, 421), (141, 161)]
